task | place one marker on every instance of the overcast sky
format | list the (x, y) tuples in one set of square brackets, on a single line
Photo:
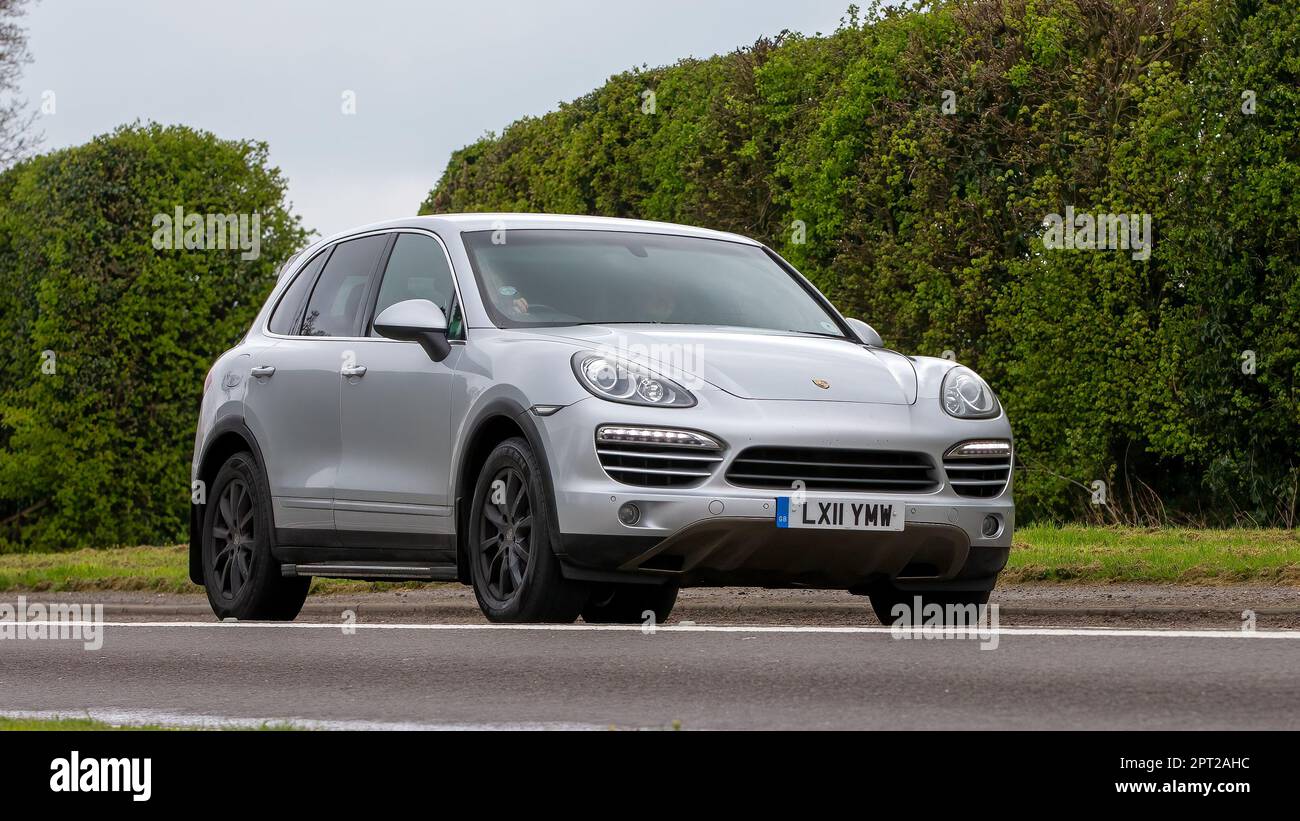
[(428, 77)]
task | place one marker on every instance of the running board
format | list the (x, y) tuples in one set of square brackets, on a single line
[(374, 571)]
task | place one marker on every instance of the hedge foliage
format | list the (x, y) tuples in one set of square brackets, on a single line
[(97, 452), (930, 224)]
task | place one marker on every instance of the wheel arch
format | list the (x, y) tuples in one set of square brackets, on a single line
[(228, 437), (499, 420)]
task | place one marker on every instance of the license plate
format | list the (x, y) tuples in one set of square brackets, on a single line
[(839, 514)]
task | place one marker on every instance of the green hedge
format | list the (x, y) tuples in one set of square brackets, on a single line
[(97, 452), (930, 224)]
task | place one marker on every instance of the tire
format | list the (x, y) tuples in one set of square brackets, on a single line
[(630, 603), (513, 567), (241, 576), (884, 599)]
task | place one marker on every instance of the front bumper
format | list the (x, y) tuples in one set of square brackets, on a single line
[(717, 533)]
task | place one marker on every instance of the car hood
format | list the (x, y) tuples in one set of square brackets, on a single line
[(756, 364)]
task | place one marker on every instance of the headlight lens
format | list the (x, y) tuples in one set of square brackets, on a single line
[(965, 396), (621, 381)]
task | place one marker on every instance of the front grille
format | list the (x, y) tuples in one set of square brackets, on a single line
[(979, 476), (657, 465), (832, 469)]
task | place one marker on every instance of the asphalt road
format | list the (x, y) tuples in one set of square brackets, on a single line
[(702, 677)]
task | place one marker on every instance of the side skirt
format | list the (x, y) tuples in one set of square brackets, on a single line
[(369, 556), (373, 571)]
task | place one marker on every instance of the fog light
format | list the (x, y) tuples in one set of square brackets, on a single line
[(992, 526), (629, 514)]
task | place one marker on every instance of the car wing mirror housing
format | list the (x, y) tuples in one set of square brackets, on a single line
[(416, 320), (866, 333)]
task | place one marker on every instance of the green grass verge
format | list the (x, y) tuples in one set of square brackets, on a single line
[(1155, 555), (8, 724), (56, 724), (1041, 554), (150, 569), (159, 569)]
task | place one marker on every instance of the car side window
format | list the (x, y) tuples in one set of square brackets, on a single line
[(336, 303), (417, 269), (288, 314)]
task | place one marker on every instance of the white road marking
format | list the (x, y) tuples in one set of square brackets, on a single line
[(698, 628)]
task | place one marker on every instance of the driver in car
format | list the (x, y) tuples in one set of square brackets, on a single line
[(509, 300)]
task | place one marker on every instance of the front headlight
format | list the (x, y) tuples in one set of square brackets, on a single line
[(965, 396), (621, 381)]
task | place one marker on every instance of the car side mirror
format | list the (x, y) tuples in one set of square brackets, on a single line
[(416, 320), (866, 333)]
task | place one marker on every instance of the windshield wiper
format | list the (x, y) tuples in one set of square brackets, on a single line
[(816, 333), (632, 322)]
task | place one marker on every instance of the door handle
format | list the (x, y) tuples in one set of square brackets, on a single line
[(353, 370), (262, 370)]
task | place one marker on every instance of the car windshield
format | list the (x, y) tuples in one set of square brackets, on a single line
[(543, 277)]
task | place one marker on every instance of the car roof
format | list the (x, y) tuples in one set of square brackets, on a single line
[(456, 223)]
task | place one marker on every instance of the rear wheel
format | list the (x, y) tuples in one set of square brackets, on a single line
[(893, 606), (630, 603), (514, 569), (241, 576)]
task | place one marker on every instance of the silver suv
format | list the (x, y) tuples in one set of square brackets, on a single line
[(578, 416)]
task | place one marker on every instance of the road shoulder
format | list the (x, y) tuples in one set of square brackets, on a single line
[(1113, 605)]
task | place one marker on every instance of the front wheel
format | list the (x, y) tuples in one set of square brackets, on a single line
[(514, 569)]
